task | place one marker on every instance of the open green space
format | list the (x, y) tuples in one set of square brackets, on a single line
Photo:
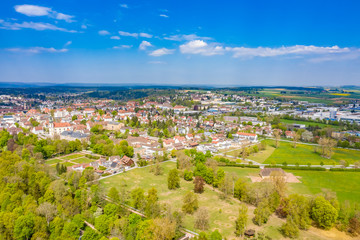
[(83, 160), (304, 154), (322, 125), (53, 161), (344, 184), (72, 156), (222, 212)]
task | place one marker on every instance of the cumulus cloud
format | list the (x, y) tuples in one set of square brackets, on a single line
[(146, 35), (201, 47), (127, 34), (280, 51), (36, 50), (39, 11), (186, 37), (144, 44), (124, 5), (115, 37), (161, 52), (103, 32), (122, 47), (164, 15), (39, 26)]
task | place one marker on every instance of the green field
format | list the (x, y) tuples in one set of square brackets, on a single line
[(302, 154), (322, 125), (53, 161), (83, 160), (72, 156), (345, 184)]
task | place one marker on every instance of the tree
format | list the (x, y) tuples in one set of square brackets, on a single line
[(202, 219), (152, 208), (278, 180), (296, 137), (190, 203), (241, 221), (240, 189), (47, 210), (262, 213), (173, 179), (307, 136), (323, 213), (290, 229), (276, 134), (188, 175), (138, 198), (227, 186), (199, 183), (114, 195), (24, 227), (215, 235)]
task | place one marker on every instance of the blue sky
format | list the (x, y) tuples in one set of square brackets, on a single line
[(303, 43)]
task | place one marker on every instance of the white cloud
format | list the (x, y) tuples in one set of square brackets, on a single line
[(280, 51), (124, 5), (36, 50), (164, 15), (127, 34), (184, 37), (115, 37), (146, 35), (68, 43), (201, 47), (103, 32), (161, 52), (39, 11), (144, 44), (84, 26), (122, 47), (32, 25)]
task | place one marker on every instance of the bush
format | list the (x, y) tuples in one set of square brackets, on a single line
[(234, 164), (188, 175)]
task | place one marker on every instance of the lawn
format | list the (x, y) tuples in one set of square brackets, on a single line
[(53, 161), (83, 160), (72, 156), (304, 154), (261, 156), (345, 184)]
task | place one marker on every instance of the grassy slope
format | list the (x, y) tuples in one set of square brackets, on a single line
[(222, 212)]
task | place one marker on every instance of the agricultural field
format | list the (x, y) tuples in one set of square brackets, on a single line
[(222, 212), (302, 154), (69, 160), (310, 96)]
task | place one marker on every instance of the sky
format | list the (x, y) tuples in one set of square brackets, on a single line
[(172, 42)]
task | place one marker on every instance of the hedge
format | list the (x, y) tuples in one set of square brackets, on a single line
[(92, 156), (232, 164), (297, 168), (345, 169)]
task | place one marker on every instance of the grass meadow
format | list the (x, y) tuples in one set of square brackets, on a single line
[(222, 212)]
